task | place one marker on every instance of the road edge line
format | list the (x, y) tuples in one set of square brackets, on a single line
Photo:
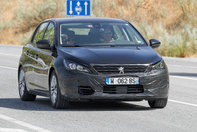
[(180, 102), (181, 77)]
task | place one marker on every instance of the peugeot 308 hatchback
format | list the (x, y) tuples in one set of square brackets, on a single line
[(92, 59)]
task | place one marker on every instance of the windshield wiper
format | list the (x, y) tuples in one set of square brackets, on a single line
[(92, 45), (85, 45), (72, 45)]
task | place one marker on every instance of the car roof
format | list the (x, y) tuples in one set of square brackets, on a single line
[(86, 19)]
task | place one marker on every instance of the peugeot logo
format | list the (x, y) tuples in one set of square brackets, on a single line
[(121, 69)]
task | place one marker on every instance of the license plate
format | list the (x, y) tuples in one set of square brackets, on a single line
[(122, 81)]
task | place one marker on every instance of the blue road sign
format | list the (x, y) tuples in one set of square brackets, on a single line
[(78, 7)]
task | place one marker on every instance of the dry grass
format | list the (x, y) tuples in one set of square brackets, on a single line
[(173, 22), (20, 17)]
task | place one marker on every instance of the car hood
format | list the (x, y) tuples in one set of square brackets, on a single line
[(111, 55)]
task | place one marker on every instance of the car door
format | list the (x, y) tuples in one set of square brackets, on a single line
[(32, 80), (44, 59), (28, 64)]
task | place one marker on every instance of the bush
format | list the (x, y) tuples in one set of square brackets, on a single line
[(30, 13), (28, 17), (177, 43), (172, 22)]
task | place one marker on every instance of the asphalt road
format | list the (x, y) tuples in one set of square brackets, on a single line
[(179, 115)]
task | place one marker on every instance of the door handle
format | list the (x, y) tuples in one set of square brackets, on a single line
[(36, 56), (27, 52)]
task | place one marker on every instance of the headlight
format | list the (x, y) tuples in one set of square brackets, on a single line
[(74, 66), (158, 66)]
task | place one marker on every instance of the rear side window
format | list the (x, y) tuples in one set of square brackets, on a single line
[(40, 32), (49, 34)]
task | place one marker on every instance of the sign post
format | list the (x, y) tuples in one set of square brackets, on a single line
[(78, 7)]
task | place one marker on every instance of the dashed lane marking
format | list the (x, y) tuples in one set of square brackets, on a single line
[(11, 130), (11, 68), (9, 55), (22, 123)]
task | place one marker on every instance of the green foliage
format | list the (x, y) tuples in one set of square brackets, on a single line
[(177, 43), (30, 16)]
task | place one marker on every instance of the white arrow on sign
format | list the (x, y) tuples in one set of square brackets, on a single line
[(86, 3), (78, 8), (71, 11), (78, 3)]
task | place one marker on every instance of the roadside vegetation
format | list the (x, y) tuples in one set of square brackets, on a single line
[(172, 22)]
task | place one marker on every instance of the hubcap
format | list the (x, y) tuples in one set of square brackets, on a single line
[(21, 83), (53, 89)]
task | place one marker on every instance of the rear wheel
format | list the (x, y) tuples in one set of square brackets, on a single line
[(56, 98), (158, 103), (23, 93)]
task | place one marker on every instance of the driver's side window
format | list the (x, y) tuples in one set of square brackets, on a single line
[(40, 32)]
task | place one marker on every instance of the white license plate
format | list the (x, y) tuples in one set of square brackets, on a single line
[(122, 81)]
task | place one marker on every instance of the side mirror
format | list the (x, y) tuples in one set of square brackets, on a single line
[(154, 43), (43, 44)]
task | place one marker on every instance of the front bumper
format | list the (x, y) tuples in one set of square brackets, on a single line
[(155, 85)]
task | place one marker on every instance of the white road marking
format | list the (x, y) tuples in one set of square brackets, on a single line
[(10, 45), (180, 102), (23, 124), (11, 68), (181, 77), (11, 130), (10, 55), (182, 66)]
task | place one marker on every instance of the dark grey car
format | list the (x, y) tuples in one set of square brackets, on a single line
[(91, 59)]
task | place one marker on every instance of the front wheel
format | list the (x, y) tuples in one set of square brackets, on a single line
[(158, 103), (55, 96), (23, 93)]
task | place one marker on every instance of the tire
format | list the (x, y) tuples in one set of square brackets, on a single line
[(56, 98), (158, 103), (23, 93)]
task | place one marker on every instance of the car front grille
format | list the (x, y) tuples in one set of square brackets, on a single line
[(115, 69), (111, 89)]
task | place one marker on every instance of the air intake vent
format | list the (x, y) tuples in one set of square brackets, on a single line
[(135, 89), (114, 69), (123, 89), (85, 90)]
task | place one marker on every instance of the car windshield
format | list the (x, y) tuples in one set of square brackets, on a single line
[(112, 34)]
